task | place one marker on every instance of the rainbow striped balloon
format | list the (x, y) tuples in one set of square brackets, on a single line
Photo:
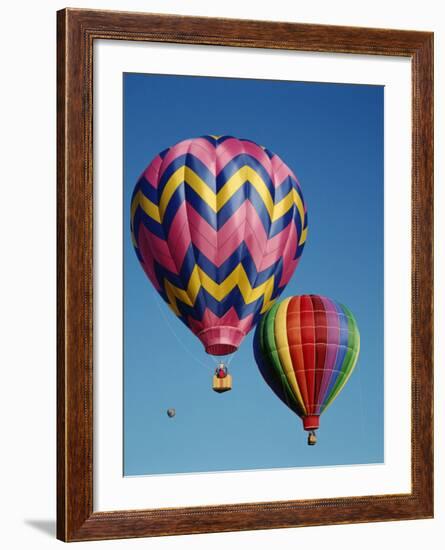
[(306, 348), (218, 225)]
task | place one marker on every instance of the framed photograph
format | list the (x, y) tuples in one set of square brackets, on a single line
[(245, 294)]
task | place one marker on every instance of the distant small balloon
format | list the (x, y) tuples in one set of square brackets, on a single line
[(171, 413)]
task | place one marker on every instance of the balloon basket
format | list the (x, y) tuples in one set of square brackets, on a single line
[(311, 438), (220, 385)]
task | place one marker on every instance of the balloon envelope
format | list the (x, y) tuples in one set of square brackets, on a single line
[(218, 225), (306, 348)]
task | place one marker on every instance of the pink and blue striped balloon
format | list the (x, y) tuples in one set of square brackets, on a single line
[(218, 224)]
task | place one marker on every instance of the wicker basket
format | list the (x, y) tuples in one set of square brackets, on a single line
[(221, 385)]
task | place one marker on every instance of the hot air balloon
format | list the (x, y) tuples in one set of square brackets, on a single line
[(218, 225), (306, 348)]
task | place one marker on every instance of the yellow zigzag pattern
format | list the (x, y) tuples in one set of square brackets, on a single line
[(150, 208), (238, 278), (217, 200)]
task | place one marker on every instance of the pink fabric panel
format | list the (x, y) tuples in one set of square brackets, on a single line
[(229, 319), (152, 171), (179, 237), (147, 256), (232, 148), (289, 263), (200, 148)]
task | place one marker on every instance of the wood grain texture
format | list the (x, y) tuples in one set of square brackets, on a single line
[(76, 32)]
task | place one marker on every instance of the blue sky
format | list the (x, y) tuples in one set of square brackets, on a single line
[(331, 135)]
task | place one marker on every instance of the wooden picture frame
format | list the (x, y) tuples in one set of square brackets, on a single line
[(77, 31)]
